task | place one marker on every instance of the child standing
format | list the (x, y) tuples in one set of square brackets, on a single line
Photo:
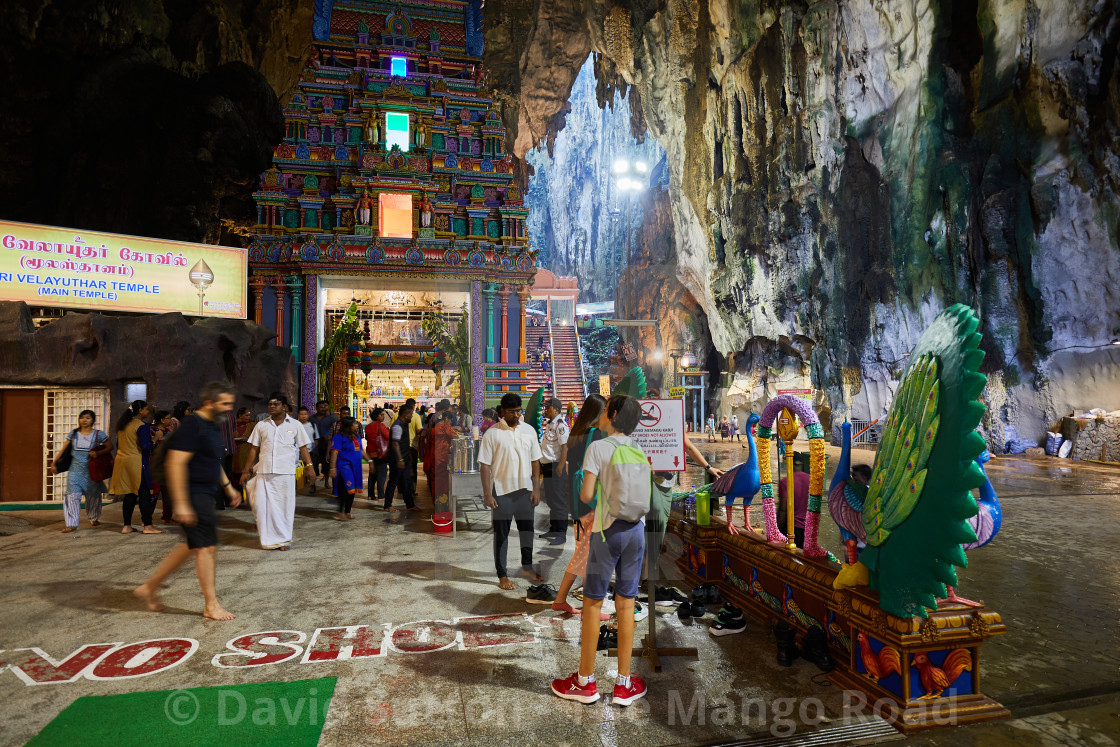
[(618, 471)]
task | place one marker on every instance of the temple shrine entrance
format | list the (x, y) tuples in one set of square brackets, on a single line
[(395, 359)]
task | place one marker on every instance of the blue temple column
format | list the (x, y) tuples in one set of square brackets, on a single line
[(308, 377)]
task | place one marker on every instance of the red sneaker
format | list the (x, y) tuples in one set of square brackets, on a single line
[(624, 696), (570, 689)]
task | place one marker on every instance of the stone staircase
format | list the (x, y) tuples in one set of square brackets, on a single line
[(569, 372)]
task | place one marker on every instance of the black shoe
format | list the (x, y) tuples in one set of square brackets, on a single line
[(558, 539), (729, 612), (684, 612), (724, 626), (546, 535), (607, 639), (540, 594), (673, 594)]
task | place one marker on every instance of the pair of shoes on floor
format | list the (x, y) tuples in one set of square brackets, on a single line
[(688, 610), (729, 620), (665, 596), (541, 594), (570, 689), (706, 594), (607, 639), (641, 612)]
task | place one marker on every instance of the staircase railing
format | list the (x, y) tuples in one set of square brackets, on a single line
[(579, 362), (552, 360)]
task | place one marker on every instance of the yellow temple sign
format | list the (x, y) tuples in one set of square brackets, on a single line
[(64, 267)]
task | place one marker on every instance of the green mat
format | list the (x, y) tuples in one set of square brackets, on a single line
[(273, 713)]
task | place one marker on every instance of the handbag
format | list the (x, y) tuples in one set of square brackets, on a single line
[(101, 466), (62, 464)]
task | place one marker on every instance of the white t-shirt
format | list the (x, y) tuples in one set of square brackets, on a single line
[(597, 457), (553, 437), (510, 453), (279, 445)]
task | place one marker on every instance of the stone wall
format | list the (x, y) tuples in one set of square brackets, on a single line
[(174, 356)]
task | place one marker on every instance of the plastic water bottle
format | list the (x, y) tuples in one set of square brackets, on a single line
[(690, 504)]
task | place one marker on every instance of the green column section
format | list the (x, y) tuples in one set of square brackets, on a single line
[(295, 287), (489, 290)]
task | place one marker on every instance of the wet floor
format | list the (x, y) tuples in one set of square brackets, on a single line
[(1050, 573)]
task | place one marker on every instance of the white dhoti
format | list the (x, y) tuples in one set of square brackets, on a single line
[(273, 498)]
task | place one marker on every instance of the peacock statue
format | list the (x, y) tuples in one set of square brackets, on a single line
[(633, 384), (845, 506), (986, 524), (533, 410), (917, 508), (742, 481)]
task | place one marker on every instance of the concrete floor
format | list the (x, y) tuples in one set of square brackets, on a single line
[(1049, 573)]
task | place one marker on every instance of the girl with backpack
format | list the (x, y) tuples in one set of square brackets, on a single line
[(617, 477), (585, 432)]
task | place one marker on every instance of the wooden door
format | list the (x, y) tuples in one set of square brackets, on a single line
[(22, 462)]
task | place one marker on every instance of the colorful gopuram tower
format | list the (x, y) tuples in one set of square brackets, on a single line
[(392, 177)]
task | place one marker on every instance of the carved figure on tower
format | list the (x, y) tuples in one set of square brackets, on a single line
[(421, 134), (371, 128), (425, 212), (364, 209)]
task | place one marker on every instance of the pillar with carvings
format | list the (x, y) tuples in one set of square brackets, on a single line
[(478, 372), (523, 300), (281, 297), (503, 297), (295, 286), (257, 284), (308, 370), (489, 291)]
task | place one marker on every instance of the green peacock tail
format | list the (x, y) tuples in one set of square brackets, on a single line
[(633, 384), (533, 410), (919, 500)]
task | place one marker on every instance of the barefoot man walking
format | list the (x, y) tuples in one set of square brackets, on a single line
[(193, 465), (509, 462)]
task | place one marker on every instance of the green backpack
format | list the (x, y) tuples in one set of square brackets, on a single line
[(630, 476)]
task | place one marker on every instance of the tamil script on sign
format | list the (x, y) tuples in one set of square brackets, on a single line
[(660, 433)]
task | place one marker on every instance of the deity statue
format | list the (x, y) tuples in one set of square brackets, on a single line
[(365, 209), (421, 134), (425, 212), (371, 128)]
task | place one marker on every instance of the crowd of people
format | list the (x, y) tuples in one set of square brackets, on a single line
[(590, 475)]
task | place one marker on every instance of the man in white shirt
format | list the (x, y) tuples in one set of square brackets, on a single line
[(554, 434), (509, 460), (276, 444)]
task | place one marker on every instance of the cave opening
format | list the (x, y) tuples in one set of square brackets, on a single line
[(591, 188)]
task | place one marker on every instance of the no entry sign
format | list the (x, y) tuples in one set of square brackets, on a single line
[(660, 433)]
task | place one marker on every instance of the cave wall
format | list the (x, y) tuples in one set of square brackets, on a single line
[(147, 117), (840, 172), (577, 216)]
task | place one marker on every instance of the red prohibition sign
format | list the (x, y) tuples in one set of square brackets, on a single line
[(651, 414)]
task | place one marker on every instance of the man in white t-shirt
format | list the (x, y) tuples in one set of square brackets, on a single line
[(554, 434), (509, 460), (275, 447)]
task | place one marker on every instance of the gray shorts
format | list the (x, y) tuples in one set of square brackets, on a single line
[(619, 555)]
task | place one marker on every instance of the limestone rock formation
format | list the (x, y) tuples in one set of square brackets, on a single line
[(577, 215), (174, 356), (840, 172)]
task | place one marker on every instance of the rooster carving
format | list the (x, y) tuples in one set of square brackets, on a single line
[(881, 664), (935, 680)]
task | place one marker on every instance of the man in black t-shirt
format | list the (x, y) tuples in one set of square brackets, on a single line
[(195, 478)]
